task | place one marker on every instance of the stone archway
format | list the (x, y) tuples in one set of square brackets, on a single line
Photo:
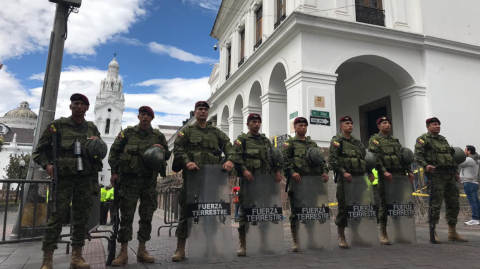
[(223, 126), (236, 121), (274, 103), (254, 104), (370, 85)]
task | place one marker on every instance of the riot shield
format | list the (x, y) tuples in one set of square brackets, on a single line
[(361, 216), (312, 214), (400, 210), (263, 216), (208, 206)]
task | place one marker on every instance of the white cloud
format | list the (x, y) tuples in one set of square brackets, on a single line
[(179, 54), (26, 25), (171, 99)]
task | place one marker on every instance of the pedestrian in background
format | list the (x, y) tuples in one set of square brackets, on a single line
[(469, 177)]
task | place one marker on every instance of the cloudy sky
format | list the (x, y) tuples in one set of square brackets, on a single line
[(163, 47)]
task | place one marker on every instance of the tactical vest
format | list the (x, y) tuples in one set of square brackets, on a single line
[(353, 156), (299, 158), (103, 195), (132, 156), (66, 164), (255, 155), (389, 151), (202, 146), (439, 153)]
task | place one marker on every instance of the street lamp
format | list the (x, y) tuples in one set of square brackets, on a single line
[(22, 166)]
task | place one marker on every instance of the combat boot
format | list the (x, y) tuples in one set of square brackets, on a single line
[(180, 252), (142, 254), (453, 235), (383, 234), (242, 250), (47, 259), (294, 238), (342, 243), (122, 257), (77, 260)]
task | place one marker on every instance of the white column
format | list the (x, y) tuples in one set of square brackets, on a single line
[(414, 108), (303, 89), (269, 17), (247, 111), (399, 12), (235, 127), (235, 45), (223, 66), (345, 10), (224, 128), (275, 117), (249, 32)]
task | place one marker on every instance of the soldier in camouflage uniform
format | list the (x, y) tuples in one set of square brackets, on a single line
[(75, 187), (435, 155), (138, 181), (252, 151), (386, 147), (346, 158), (296, 165), (196, 145)]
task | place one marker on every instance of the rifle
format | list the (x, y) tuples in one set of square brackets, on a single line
[(54, 184), (431, 225), (116, 218)]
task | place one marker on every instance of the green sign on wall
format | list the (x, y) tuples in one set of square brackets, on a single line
[(320, 113), (294, 115)]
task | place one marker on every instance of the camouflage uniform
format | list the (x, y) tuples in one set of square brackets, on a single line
[(136, 179), (73, 187), (346, 155), (295, 161), (386, 150), (202, 146), (252, 152), (436, 151)]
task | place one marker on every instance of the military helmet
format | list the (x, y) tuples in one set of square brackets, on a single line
[(459, 155), (370, 160), (95, 150), (153, 157), (315, 156), (405, 156), (275, 157)]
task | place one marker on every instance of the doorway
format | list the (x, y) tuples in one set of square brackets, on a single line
[(369, 114)]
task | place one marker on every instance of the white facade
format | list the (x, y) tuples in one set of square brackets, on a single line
[(109, 107), (423, 62)]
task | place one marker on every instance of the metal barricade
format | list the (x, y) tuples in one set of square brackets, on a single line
[(26, 228), (170, 209)]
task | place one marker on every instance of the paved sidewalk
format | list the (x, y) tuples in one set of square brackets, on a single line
[(421, 255)]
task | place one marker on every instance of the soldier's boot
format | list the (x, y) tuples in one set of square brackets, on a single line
[(242, 250), (294, 238), (342, 243), (453, 235), (47, 259), (180, 252), (142, 254), (77, 261), (122, 257), (383, 234)]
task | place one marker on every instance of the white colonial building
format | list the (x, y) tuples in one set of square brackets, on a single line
[(17, 129), (109, 107), (323, 59)]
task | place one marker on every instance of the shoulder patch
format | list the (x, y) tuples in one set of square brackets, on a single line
[(375, 142), (421, 141), (336, 144), (238, 142), (52, 129), (181, 134), (121, 135), (286, 145)]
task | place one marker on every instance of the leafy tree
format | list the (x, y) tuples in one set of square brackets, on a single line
[(13, 168)]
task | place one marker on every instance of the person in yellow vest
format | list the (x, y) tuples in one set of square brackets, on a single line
[(103, 205), (109, 199), (376, 195)]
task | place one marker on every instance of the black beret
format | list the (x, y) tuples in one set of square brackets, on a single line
[(201, 104)]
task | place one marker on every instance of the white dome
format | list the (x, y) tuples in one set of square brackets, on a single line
[(114, 64), (23, 111)]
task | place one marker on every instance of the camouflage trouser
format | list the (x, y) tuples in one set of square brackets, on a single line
[(341, 220), (376, 197), (444, 187), (241, 197), (78, 191), (182, 229), (382, 203), (134, 188)]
